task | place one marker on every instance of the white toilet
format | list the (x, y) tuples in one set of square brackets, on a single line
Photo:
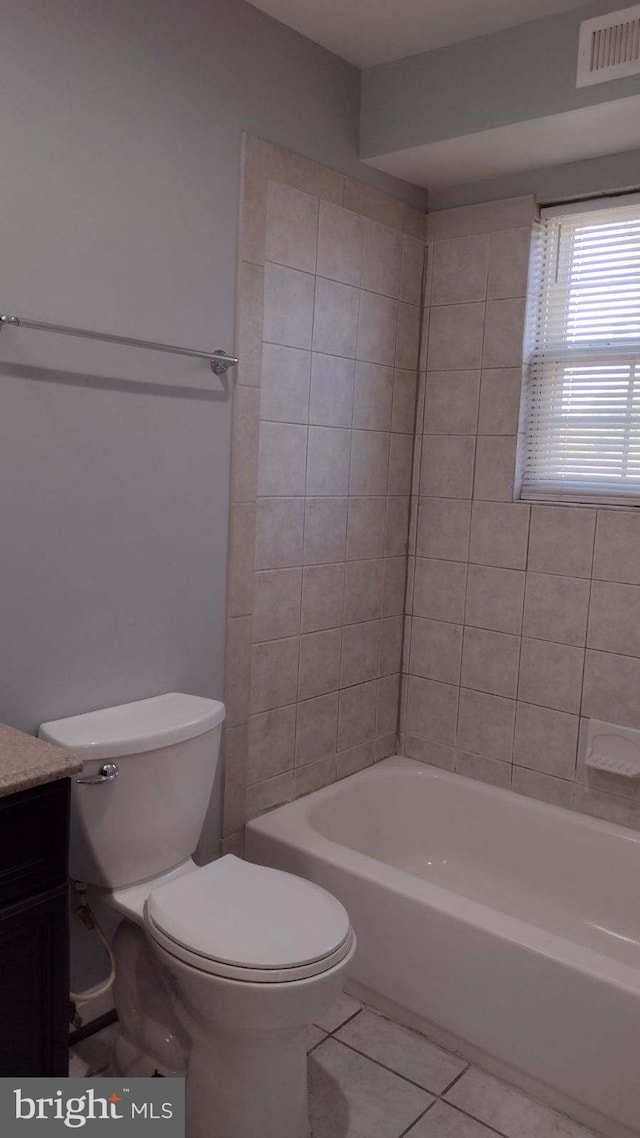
[(222, 968)]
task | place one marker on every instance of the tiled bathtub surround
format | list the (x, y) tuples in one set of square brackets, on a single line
[(324, 413), (523, 620)]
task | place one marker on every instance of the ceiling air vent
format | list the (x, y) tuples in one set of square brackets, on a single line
[(609, 47)]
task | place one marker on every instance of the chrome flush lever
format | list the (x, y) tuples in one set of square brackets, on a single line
[(107, 773)]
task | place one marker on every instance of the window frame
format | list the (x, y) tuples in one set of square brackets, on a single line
[(536, 284)]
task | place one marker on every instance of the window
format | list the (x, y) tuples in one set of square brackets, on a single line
[(581, 404)]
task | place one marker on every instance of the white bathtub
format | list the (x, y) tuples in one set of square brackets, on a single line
[(505, 928)]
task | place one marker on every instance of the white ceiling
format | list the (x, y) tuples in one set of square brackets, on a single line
[(367, 32), (588, 132)]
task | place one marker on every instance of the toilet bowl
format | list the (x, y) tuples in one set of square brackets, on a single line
[(220, 969), (255, 955)]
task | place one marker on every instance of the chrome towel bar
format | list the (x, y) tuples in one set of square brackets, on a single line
[(219, 360)]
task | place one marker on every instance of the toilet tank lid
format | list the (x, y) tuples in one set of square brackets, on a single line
[(132, 728)]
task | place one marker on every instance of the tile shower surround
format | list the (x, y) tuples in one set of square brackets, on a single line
[(521, 620), (328, 330)]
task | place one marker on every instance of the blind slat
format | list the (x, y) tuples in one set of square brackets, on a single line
[(582, 357)]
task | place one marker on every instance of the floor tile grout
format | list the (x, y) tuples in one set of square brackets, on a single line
[(437, 1096), (418, 1119), (101, 1071), (344, 1023), (391, 1070), (474, 1118), (458, 1076)]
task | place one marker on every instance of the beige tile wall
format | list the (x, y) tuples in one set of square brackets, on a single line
[(523, 620), (328, 324)]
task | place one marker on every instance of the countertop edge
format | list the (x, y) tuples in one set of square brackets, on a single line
[(26, 761)]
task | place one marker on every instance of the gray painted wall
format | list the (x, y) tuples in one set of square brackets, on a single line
[(512, 76), (120, 142), (554, 183)]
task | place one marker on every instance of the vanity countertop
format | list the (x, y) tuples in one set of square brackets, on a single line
[(26, 761)]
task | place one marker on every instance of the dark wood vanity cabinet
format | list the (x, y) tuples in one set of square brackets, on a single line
[(34, 953)]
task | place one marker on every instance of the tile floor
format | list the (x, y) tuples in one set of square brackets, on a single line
[(372, 1078)]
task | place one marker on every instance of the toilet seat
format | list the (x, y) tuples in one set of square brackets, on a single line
[(246, 922)]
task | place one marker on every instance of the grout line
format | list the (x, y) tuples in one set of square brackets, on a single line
[(415, 1121), (344, 1022), (330, 1034), (315, 263), (305, 499), (574, 777), (440, 1097), (453, 1082), (522, 638), (385, 1066), (337, 427), (414, 495), (487, 1125)]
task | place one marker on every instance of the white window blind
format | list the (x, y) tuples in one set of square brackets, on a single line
[(581, 405)]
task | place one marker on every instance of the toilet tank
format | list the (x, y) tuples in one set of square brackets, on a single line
[(149, 817)]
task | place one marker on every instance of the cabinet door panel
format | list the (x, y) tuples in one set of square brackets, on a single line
[(34, 839), (34, 979)]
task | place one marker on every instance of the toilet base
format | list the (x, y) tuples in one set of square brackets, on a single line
[(129, 1061), (247, 1067), (241, 1046), (236, 1090), (150, 1035), (233, 1091)]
